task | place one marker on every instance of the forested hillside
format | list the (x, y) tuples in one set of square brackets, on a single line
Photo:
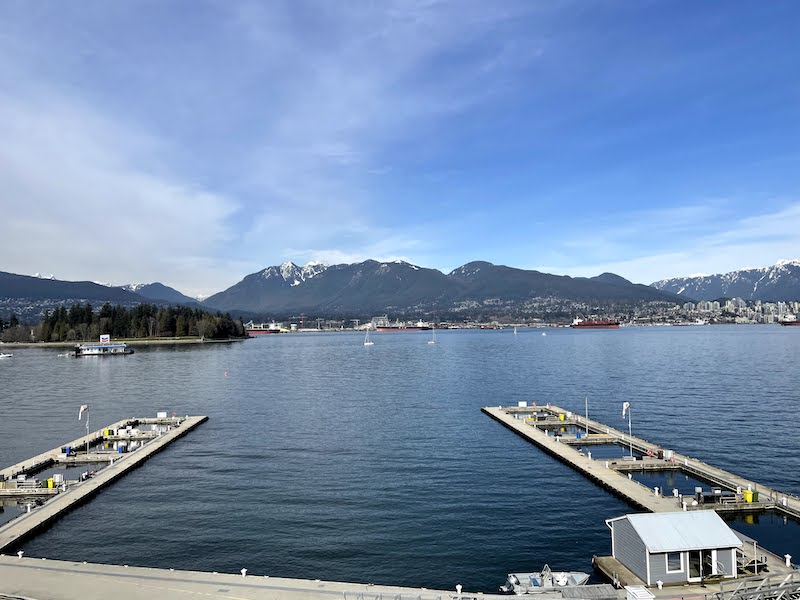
[(82, 322)]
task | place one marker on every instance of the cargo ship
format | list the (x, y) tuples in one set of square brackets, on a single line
[(418, 326), (595, 324), (261, 328), (789, 321)]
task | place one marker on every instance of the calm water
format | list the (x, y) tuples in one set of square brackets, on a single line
[(326, 459)]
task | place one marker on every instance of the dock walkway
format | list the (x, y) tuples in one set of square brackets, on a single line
[(608, 478), (40, 579), (24, 525), (768, 497)]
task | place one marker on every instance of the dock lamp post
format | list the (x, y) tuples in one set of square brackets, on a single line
[(626, 408), (85, 408)]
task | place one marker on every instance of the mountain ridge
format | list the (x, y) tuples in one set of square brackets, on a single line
[(778, 282), (477, 287), (158, 291)]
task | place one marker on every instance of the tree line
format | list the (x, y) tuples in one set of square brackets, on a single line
[(82, 322)]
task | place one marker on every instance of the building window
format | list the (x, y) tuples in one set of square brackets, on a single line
[(674, 562)]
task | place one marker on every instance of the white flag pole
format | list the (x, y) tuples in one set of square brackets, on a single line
[(85, 408), (630, 433), (587, 416)]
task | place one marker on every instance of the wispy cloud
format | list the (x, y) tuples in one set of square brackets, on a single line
[(439, 132), (751, 241)]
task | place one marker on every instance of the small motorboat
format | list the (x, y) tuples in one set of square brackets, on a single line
[(545, 580), (4, 355)]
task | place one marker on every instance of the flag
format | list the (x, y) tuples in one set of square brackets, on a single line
[(83, 408), (625, 407)]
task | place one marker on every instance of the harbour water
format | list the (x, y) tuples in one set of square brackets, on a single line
[(326, 459)]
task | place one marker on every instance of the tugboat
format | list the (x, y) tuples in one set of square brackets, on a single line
[(545, 580)]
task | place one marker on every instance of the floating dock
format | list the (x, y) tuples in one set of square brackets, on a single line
[(559, 432), (69, 494)]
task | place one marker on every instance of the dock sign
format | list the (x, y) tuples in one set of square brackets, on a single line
[(105, 338)]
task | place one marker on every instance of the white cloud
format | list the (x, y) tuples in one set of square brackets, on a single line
[(76, 202)]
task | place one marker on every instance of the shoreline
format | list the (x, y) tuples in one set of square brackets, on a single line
[(128, 341)]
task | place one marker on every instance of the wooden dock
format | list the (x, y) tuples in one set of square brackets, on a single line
[(616, 482), (26, 524), (535, 430)]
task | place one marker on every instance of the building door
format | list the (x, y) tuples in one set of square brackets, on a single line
[(701, 564)]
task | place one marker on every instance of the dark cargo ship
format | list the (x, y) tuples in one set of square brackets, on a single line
[(595, 324)]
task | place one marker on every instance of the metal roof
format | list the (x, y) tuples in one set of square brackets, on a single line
[(690, 530)]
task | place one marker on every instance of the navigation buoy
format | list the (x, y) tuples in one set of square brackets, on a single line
[(226, 373)]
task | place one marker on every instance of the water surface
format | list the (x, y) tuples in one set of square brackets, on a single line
[(326, 459)]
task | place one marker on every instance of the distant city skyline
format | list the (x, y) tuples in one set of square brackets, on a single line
[(193, 143)]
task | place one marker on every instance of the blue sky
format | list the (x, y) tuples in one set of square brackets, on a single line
[(193, 142)]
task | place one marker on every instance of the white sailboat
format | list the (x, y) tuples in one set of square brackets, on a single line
[(515, 330), (433, 338), (367, 342)]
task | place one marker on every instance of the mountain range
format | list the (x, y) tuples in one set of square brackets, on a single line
[(780, 282), (475, 290), (400, 288), (29, 297)]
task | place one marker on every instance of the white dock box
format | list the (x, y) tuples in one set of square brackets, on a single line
[(638, 592)]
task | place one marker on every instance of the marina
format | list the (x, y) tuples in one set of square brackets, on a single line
[(558, 431), (121, 456)]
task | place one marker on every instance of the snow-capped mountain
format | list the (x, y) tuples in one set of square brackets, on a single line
[(779, 282), (292, 274), (158, 291), (378, 287)]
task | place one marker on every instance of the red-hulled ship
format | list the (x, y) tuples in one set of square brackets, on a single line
[(789, 321), (595, 324), (262, 328)]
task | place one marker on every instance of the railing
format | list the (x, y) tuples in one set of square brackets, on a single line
[(420, 596), (773, 587)]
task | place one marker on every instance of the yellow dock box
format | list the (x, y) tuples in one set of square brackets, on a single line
[(562, 417), (748, 495), (50, 483)]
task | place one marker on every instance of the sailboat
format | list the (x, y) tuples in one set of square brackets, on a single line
[(366, 340), (515, 330), (433, 338)]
